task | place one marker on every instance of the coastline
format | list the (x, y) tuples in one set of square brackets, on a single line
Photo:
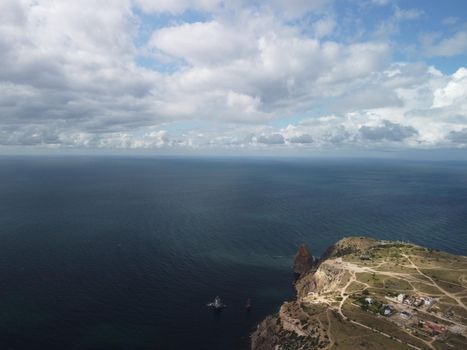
[(349, 290)]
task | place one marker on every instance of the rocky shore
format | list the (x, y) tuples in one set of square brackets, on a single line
[(342, 298)]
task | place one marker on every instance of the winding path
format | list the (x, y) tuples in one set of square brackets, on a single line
[(451, 295)]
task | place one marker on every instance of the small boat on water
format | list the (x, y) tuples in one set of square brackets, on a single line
[(248, 304), (216, 304)]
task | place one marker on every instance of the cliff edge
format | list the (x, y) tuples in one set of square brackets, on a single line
[(371, 294), (303, 261)]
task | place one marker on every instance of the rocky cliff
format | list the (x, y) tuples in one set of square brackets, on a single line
[(303, 261), (332, 310)]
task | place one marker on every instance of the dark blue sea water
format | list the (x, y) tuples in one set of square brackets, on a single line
[(114, 253)]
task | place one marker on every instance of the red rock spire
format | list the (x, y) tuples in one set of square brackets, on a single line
[(303, 260)]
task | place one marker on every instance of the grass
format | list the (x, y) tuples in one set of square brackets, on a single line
[(426, 288), (448, 300), (348, 336), (392, 267), (372, 279), (440, 260), (450, 287), (444, 275), (452, 342), (380, 324), (355, 286), (444, 268), (460, 311), (312, 309), (397, 283)]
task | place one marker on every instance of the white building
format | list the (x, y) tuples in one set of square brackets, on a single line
[(418, 302), (428, 301), (401, 297)]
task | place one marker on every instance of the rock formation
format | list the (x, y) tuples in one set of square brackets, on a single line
[(303, 261), (330, 310)]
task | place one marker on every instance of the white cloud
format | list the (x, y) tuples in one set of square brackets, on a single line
[(324, 27), (388, 131), (201, 43), (273, 139), (391, 25), (241, 103), (297, 8), (450, 46), (177, 6), (303, 138), (80, 74), (454, 91), (273, 68), (459, 137), (381, 2), (289, 9), (451, 20)]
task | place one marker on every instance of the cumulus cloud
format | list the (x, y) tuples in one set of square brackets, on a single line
[(297, 8), (271, 65), (177, 6), (459, 137), (324, 27), (434, 45), (303, 138), (451, 20), (201, 43), (391, 25), (273, 139), (217, 75), (388, 131), (381, 2), (29, 136), (454, 91)]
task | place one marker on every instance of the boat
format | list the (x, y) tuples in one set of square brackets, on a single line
[(248, 304), (216, 304)]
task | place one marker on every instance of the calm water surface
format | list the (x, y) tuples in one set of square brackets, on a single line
[(114, 253)]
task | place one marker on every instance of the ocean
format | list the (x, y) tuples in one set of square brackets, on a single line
[(124, 253)]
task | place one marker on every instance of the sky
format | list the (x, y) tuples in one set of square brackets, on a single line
[(234, 77)]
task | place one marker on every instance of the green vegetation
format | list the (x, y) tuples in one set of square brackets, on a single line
[(380, 324), (397, 284), (348, 336), (426, 288), (371, 279), (445, 275), (383, 295), (355, 286)]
